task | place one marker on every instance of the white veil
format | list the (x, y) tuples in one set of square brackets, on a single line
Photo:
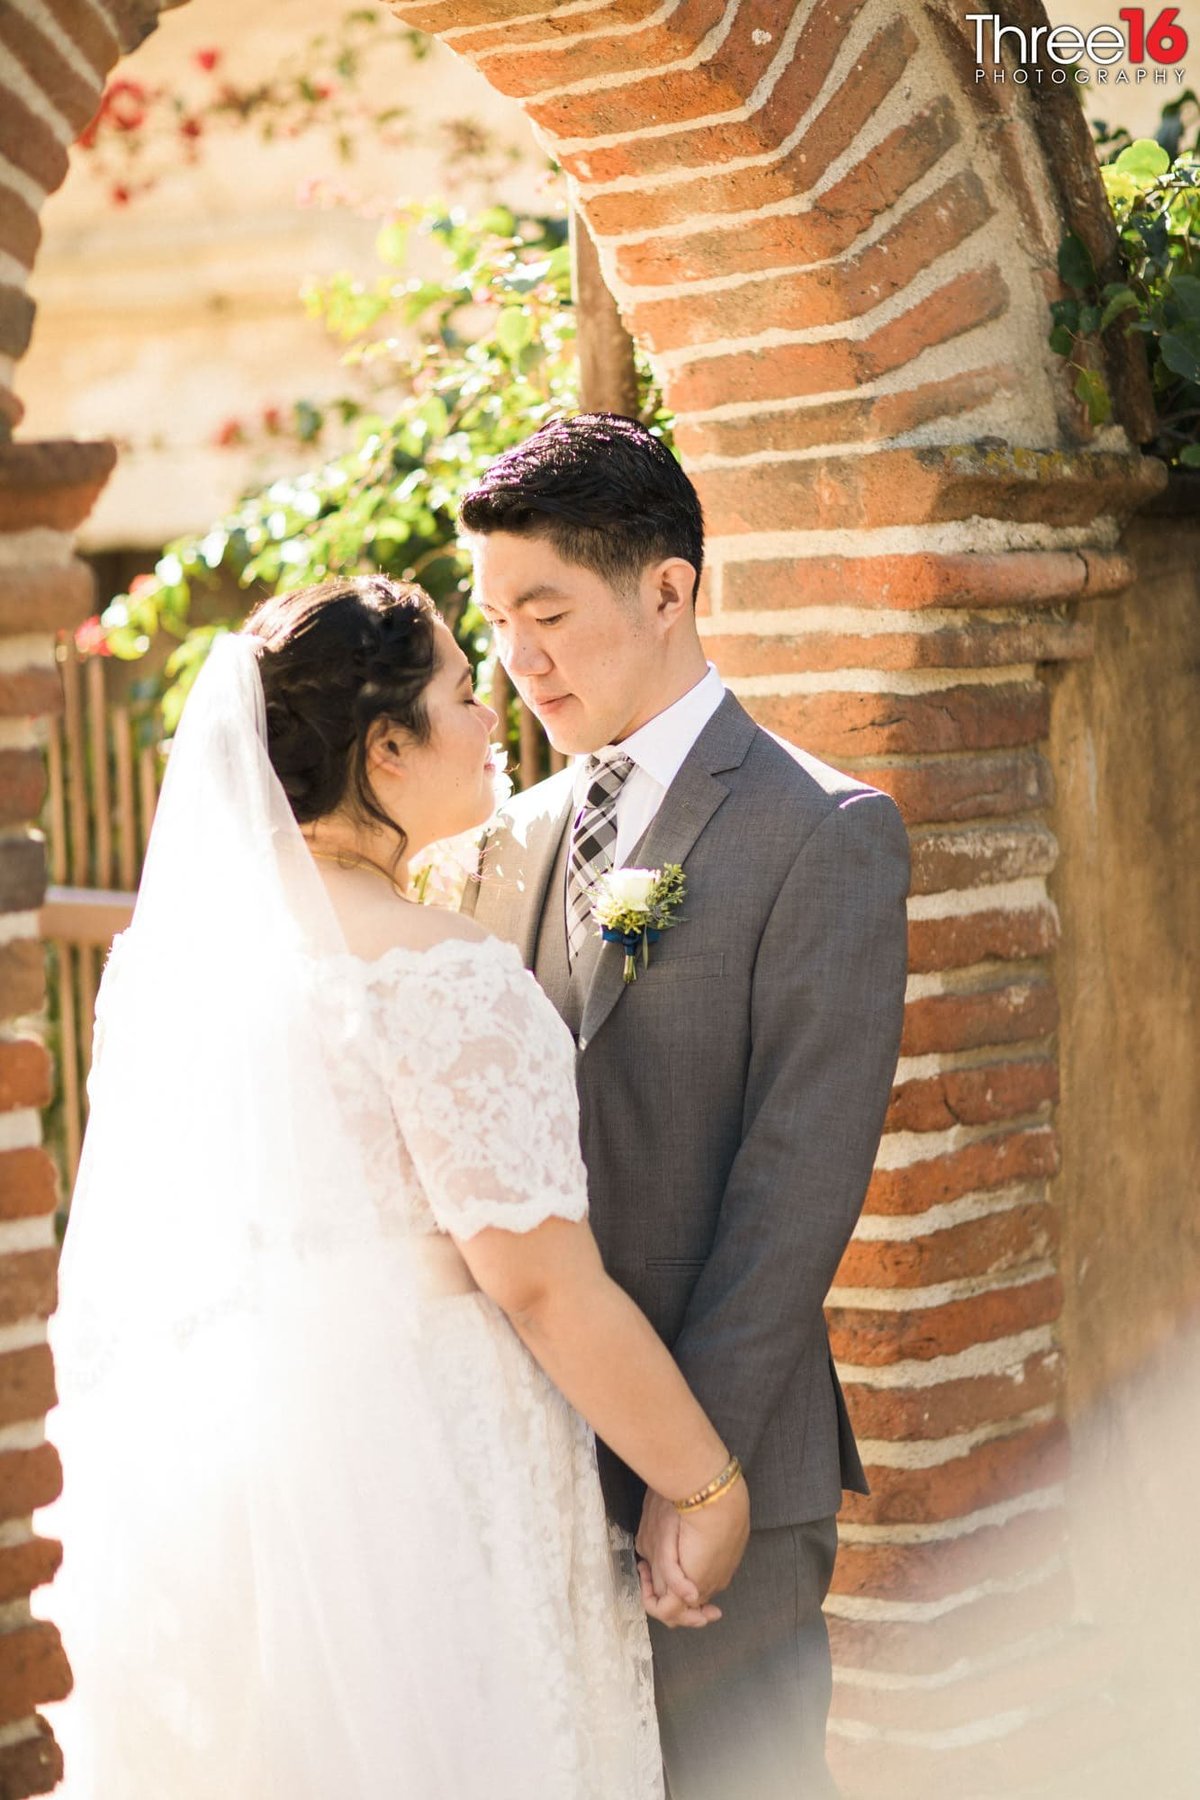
[(247, 1413)]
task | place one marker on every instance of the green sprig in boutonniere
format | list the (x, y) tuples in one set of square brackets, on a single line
[(633, 907)]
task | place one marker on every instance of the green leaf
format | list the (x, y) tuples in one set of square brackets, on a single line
[(1185, 290), (308, 421), (1144, 158), (434, 415), (1122, 190), (1089, 319), (514, 330), (1062, 341), (1118, 302), (126, 643), (1092, 389), (1075, 264), (1181, 354), (497, 221), (1189, 456), (391, 242)]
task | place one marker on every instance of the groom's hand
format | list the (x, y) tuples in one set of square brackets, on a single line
[(712, 1541), (686, 1558)]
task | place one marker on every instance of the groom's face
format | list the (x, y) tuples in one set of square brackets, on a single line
[(582, 656)]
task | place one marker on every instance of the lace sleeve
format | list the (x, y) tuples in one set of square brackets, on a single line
[(482, 1079)]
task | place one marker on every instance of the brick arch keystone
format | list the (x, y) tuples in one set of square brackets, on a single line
[(838, 247)]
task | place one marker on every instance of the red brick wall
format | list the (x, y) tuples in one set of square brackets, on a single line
[(839, 249), (52, 61)]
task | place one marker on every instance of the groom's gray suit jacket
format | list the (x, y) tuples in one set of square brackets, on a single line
[(732, 1098)]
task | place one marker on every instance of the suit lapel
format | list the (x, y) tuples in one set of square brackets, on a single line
[(518, 860), (544, 856), (688, 805)]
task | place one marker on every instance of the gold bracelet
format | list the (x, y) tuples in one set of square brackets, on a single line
[(717, 1487)]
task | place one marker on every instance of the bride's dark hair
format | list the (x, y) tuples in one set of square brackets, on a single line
[(335, 659)]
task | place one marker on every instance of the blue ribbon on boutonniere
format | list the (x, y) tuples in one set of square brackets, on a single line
[(632, 942), (633, 907)]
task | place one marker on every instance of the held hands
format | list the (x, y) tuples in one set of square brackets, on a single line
[(686, 1558)]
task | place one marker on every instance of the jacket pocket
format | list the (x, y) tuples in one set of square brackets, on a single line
[(675, 1262), (691, 968)]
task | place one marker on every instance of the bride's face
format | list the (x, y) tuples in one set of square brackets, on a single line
[(447, 784)]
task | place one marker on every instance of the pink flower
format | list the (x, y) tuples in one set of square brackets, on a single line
[(207, 60)]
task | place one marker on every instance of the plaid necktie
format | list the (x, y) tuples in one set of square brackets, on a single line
[(593, 841)]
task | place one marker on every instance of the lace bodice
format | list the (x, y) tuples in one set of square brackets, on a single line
[(460, 1077)]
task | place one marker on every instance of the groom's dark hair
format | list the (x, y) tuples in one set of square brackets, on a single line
[(606, 492)]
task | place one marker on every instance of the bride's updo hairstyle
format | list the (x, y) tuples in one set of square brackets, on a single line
[(335, 659)]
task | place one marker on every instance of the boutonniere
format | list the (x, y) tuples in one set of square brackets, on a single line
[(633, 907)]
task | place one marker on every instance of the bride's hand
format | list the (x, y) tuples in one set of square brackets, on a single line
[(685, 1558), (668, 1608)]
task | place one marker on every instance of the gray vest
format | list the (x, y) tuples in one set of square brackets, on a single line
[(566, 986)]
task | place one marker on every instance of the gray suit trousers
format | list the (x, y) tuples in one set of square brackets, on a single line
[(742, 1704)]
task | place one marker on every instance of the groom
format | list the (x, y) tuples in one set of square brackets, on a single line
[(732, 1097)]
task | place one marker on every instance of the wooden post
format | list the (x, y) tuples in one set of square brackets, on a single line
[(607, 376)]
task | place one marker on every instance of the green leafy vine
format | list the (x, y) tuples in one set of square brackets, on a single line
[(493, 360), (1154, 192)]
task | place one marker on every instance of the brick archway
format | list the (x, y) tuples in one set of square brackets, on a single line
[(839, 246)]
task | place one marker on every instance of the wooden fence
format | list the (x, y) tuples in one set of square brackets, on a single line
[(103, 789)]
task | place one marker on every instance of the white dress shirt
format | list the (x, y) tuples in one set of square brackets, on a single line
[(657, 749)]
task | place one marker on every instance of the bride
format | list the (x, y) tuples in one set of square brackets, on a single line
[(334, 1334)]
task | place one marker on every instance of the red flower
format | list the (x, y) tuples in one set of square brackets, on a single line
[(90, 639), (228, 432), (124, 104), (207, 60), (272, 419), (120, 195), (191, 128), (142, 584)]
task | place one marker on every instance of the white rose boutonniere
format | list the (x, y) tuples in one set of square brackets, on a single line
[(633, 907)]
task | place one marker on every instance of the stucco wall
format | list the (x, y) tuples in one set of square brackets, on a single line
[(1124, 734), (160, 321), (1123, 746)]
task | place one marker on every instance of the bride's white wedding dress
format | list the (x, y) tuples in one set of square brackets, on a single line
[(462, 1076), (329, 1530)]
